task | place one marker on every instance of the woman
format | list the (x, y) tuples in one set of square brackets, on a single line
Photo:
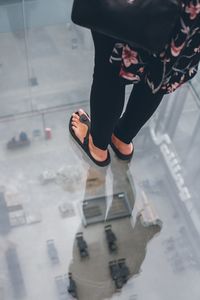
[(153, 75)]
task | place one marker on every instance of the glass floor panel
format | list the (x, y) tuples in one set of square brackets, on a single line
[(43, 188)]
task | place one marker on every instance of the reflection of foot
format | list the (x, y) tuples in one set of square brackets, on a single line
[(122, 150), (79, 127)]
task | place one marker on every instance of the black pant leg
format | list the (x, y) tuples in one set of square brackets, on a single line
[(141, 105), (107, 92)]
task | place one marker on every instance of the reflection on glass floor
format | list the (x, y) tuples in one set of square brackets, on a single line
[(49, 193)]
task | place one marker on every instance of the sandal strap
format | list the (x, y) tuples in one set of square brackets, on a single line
[(85, 120), (86, 138)]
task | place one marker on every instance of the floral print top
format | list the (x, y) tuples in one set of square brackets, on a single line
[(176, 64)]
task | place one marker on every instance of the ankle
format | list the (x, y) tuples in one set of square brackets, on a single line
[(96, 147), (115, 139), (102, 154), (121, 146)]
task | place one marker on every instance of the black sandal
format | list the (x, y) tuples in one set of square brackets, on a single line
[(85, 145), (125, 157)]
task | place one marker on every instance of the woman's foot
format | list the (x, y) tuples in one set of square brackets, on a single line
[(80, 129), (123, 148)]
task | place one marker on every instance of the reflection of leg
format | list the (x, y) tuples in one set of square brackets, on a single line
[(95, 183), (107, 92), (141, 106)]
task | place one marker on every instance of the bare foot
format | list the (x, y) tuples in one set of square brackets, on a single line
[(80, 130), (124, 148)]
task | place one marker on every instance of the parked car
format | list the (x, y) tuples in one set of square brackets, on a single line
[(61, 285), (72, 288), (111, 238), (124, 270), (22, 141), (82, 245), (52, 251), (116, 274)]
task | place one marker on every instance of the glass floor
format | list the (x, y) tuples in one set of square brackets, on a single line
[(49, 193), (71, 230)]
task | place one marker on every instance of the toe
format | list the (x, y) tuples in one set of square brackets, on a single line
[(75, 116), (74, 123), (75, 119)]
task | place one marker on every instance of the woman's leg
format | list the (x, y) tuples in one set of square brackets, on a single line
[(107, 92), (106, 100), (141, 105)]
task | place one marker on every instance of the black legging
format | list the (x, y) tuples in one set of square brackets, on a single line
[(107, 99)]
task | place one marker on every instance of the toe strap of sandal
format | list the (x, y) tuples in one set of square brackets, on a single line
[(86, 139), (85, 120)]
